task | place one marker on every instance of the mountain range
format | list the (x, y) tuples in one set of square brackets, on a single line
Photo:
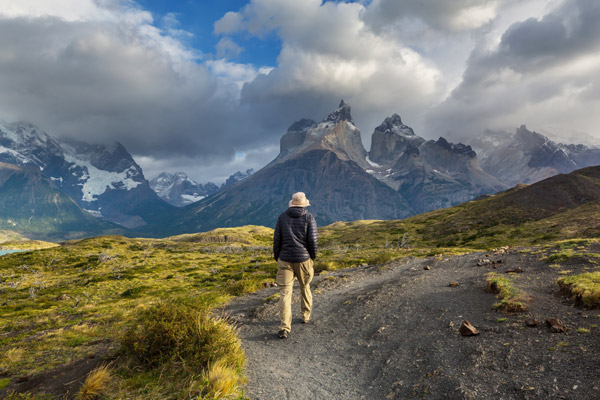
[(103, 180), (402, 175), (528, 157), (32, 203), (327, 161), (180, 190)]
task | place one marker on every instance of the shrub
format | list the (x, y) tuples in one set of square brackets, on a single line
[(381, 258), (95, 384), (178, 331), (511, 298), (584, 287), (242, 286), (221, 381), (327, 266)]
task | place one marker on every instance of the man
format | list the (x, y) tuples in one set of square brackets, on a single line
[(295, 249)]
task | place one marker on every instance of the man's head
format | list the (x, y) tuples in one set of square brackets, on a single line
[(299, 200)]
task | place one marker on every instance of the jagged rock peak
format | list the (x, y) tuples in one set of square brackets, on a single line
[(341, 114), (457, 148), (302, 125), (394, 124)]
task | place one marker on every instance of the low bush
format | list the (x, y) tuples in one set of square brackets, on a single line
[(177, 331), (511, 298), (198, 354), (95, 384), (583, 287), (381, 258)]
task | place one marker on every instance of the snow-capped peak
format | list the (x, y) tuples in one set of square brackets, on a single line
[(180, 190), (343, 113), (394, 125)]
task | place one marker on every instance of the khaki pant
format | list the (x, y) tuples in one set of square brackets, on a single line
[(285, 280)]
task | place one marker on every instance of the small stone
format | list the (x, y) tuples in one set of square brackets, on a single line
[(466, 329), (556, 325), (427, 268), (517, 270), (453, 284), (531, 322)]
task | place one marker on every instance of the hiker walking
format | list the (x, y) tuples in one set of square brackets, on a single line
[(295, 249)]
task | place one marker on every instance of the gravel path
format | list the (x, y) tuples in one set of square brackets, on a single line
[(391, 332)]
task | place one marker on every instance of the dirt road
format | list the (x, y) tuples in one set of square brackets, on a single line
[(391, 332)]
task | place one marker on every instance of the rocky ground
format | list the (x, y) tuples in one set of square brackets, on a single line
[(392, 332)]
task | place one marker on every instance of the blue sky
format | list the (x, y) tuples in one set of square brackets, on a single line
[(198, 17), (181, 95)]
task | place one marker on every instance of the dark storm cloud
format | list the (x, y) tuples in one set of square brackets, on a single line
[(101, 81), (564, 34), (451, 16), (540, 72)]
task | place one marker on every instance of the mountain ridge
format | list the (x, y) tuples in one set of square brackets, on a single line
[(104, 180), (32, 205)]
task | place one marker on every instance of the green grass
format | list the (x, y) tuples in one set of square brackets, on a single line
[(26, 245), (4, 382), (183, 337), (81, 298), (78, 299), (511, 298), (583, 287)]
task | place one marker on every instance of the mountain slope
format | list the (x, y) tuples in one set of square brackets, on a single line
[(429, 174), (179, 190), (528, 157), (337, 189), (32, 205), (557, 208), (104, 180)]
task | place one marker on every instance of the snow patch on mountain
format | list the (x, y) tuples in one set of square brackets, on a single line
[(192, 198), (19, 158), (179, 190), (371, 163), (95, 182)]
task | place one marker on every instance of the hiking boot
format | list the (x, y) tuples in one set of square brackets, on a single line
[(283, 334)]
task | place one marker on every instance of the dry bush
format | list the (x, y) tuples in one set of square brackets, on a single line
[(221, 381), (95, 384)]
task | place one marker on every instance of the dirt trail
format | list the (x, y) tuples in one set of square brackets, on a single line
[(391, 332)]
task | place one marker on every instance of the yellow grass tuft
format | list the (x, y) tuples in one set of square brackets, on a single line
[(511, 298), (221, 381), (583, 287), (95, 384), (14, 355)]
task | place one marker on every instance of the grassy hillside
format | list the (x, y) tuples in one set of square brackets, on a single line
[(558, 208), (79, 299), (33, 206), (118, 297)]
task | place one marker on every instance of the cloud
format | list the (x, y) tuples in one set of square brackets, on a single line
[(171, 25), (231, 22), (103, 70), (450, 16), (329, 53), (227, 49), (101, 74), (543, 72)]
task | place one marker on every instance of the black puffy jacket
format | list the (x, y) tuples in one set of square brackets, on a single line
[(295, 238)]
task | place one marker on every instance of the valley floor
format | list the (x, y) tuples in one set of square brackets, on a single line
[(392, 332)]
